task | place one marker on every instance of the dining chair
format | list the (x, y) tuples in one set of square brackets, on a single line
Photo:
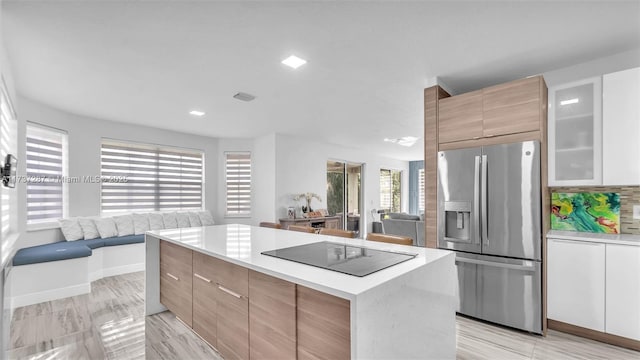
[(270, 225), (304, 229), (394, 239), (338, 232)]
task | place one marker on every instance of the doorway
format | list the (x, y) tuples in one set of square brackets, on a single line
[(344, 193)]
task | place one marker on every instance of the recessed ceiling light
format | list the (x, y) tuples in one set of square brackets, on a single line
[(244, 96), (196, 112), (570, 101), (404, 141), (294, 61)]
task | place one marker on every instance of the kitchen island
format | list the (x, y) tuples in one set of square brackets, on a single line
[(247, 304)]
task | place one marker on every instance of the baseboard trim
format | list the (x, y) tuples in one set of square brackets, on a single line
[(48, 295), (594, 335)]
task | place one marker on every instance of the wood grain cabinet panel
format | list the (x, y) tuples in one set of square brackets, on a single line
[(233, 324), (272, 317), (324, 325), (460, 117), (512, 108), (205, 303), (231, 276), (176, 280)]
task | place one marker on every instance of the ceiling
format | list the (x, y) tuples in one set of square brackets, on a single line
[(150, 63)]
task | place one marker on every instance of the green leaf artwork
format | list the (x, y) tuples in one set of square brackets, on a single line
[(586, 212)]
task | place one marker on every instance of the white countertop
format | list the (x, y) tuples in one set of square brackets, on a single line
[(621, 239), (243, 244)]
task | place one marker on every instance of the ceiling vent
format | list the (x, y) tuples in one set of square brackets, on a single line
[(244, 96)]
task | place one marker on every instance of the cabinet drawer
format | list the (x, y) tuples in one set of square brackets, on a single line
[(233, 324), (460, 117), (231, 276)]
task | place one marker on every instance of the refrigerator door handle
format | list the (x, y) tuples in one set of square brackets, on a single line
[(483, 201), (496, 264), (476, 200)]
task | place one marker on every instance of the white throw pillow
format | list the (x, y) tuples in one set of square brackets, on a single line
[(183, 220), (194, 219), (89, 228), (124, 224), (155, 221), (140, 223), (206, 218), (71, 229), (106, 227), (170, 221)]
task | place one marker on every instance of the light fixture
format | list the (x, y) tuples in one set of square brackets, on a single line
[(404, 141), (196, 112), (294, 61), (570, 101), (243, 96)]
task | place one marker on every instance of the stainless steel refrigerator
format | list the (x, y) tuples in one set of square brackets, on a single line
[(489, 212)]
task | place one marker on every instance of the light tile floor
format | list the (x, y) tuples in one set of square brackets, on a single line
[(109, 323)]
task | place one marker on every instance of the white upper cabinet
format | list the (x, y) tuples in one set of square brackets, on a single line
[(594, 131), (621, 128), (575, 133)]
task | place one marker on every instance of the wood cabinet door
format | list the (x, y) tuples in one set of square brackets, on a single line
[(176, 280), (324, 325), (205, 303), (233, 324), (272, 317), (512, 108), (460, 117)]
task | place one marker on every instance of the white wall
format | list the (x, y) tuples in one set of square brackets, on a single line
[(85, 136), (597, 67), (263, 179), (301, 166), (228, 145)]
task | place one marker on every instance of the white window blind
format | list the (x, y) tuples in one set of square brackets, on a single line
[(421, 189), (8, 145), (238, 181), (46, 172), (390, 183), (140, 177)]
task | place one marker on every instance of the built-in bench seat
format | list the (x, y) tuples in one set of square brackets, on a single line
[(69, 249), (67, 268)]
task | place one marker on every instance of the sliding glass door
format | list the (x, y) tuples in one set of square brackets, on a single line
[(344, 193)]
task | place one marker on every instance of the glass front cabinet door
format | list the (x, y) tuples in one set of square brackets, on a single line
[(575, 133)]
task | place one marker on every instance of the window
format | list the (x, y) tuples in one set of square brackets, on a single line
[(140, 177), (390, 190), (238, 180), (421, 190), (46, 174)]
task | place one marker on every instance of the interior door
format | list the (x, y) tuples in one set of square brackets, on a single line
[(511, 216), (459, 199)]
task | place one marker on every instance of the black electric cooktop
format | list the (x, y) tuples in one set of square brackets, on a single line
[(347, 259)]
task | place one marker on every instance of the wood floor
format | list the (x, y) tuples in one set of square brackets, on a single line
[(109, 323)]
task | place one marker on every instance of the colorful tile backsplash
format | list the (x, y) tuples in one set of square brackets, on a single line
[(629, 196), (586, 212)]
